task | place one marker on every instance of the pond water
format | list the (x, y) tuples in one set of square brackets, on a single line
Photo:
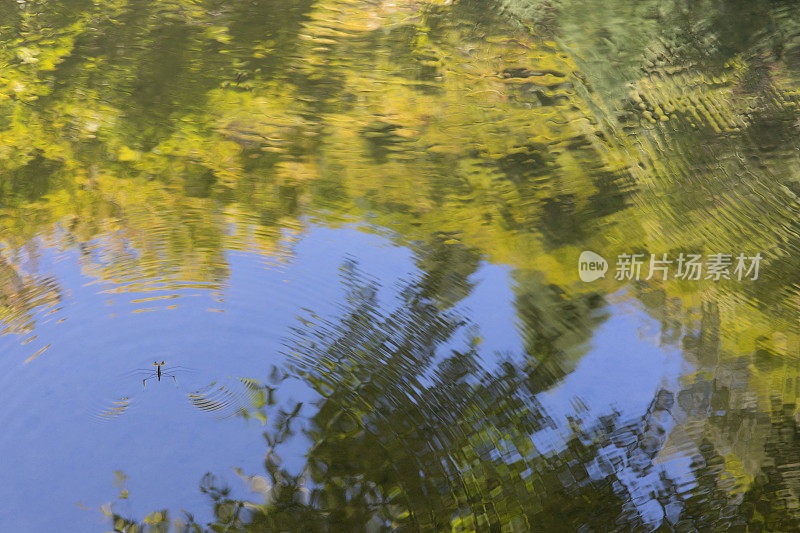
[(316, 265)]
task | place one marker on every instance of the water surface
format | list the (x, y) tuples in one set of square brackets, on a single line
[(350, 231)]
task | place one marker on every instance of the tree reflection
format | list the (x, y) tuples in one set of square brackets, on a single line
[(163, 134), (412, 432)]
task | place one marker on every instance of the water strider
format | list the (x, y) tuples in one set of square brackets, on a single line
[(158, 373), (230, 396)]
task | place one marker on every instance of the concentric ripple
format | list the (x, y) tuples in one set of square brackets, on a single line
[(228, 398)]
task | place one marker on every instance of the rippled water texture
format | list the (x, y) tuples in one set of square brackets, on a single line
[(314, 265)]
